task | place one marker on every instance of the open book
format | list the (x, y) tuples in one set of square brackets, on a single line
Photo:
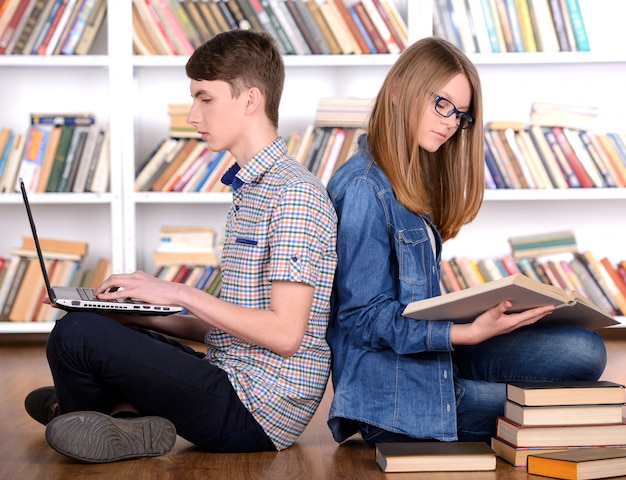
[(524, 292)]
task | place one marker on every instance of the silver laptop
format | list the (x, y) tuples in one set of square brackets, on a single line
[(83, 299)]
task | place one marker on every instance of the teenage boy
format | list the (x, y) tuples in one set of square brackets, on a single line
[(122, 389)]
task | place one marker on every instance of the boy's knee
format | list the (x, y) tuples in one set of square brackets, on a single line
[(74, 326)]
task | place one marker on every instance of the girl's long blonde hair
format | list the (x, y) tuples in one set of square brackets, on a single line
[(448, 184)]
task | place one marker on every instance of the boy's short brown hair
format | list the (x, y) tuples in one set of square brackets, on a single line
[(243, 59)]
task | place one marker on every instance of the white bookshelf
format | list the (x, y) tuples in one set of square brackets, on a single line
[(132, 93)]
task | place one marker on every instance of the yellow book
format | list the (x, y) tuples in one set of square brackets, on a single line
[(526, 25), (580, 464)]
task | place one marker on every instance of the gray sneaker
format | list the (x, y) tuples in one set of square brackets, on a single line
[(94, 437)]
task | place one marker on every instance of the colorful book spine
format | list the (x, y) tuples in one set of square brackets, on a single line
[(77, 28), (578, 26)]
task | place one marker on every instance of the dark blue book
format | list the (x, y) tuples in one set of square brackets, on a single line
[(492, 166)]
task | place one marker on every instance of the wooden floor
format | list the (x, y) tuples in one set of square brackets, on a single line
[(25, 455)]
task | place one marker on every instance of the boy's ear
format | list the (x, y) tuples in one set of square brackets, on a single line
[(255, 98)]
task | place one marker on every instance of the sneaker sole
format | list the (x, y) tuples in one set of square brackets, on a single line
[(94, 437)]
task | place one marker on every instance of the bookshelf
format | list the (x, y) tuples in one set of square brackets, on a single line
[(131, 92)]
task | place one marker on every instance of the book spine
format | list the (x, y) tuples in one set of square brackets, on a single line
[(364, 35), (525, 26), (564, 165), (590, 279), (94, 22), (307, 16), (33, 27), (303, 27), (329, 36), (12, 25), (559, 25), (77, 28), (46, 25), (461, 21), (578, 26), (505, 25), (492, 166), (36, 119), (514, 24), (490, 26), (288, 24), (352, 26), (388, 19), (377, 40), (380, 26), (571, 158), (59, 28)]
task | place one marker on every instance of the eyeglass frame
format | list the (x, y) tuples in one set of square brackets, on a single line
[(454, 111)]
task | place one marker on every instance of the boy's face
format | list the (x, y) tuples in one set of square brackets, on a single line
[(215, 114)]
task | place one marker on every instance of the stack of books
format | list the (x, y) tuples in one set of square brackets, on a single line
[(578, 117), (537, 245), (22, 288), (53, 27), (300, 27), (512, 26), (185, 245), (347, 112), (543, 417), (179, 128), (188, 254), (61, 152)]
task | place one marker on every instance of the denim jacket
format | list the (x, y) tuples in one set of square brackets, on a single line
[(388, 370)]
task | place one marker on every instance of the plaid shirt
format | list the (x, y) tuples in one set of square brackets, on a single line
[(281, 226)]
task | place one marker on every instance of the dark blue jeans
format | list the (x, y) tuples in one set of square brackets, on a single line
[(535, 353), (97, 363)]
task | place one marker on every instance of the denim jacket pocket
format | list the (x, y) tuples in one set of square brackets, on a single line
[(413, 262)]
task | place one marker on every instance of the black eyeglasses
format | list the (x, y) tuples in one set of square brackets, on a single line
[(446, 108)]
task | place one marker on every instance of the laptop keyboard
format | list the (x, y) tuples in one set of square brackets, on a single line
[(87, 294)]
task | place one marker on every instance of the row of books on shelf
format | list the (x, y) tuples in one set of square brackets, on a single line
[(183, 165), (50, 27), (558, 148), (300, 27), (185, 254), (58, 153), (545, 157), (207, 278), (596, 279), (22, 288), (528, 158), (501, 26), (555, 428)]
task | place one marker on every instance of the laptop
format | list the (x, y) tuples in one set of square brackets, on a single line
[(83, 299)]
